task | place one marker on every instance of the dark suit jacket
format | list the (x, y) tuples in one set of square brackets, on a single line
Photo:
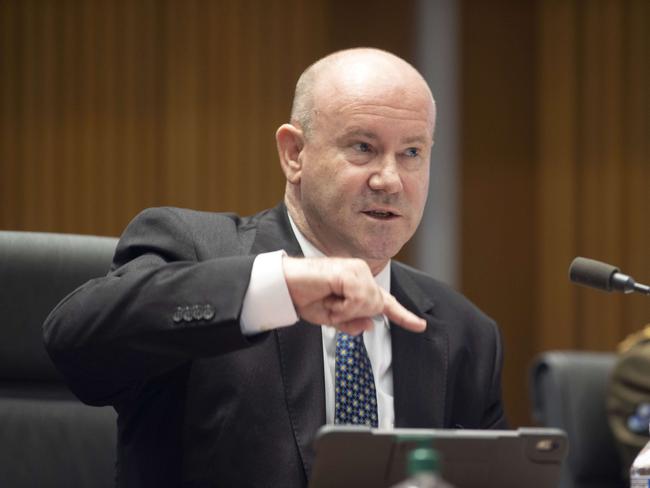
[(199, 404)]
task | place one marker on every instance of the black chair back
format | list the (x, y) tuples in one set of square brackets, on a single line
[(568, 392), (48, 438)]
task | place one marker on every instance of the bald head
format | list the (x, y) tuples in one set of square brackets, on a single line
[(354, 73), (356, 154)]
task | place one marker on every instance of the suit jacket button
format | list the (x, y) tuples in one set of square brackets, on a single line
[(178, 314), (187, 314), (197, 312), (208, 312)]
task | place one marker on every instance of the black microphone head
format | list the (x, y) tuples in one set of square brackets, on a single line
[(590, 272)]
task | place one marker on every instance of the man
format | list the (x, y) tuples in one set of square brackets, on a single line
[(628, 397), (216, 341)]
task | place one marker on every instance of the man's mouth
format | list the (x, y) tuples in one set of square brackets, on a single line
[(381, 214)]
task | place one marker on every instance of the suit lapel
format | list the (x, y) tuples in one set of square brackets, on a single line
[(301, 356), (299, 346), (420, 361)]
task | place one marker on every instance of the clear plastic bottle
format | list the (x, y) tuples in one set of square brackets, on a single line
[(640, 470), (423, 468)]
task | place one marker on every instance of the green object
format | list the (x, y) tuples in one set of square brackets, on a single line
[(423, 460)]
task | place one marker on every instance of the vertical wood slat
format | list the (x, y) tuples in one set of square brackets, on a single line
[(556, 176), (115, 98), (636, 154), (7, 110), (28, 118), (131, 138), (14, 117), (235, 52), (497, 155), (599, 161), (49, 170), (68, 111), (93, 53), (179, 136)]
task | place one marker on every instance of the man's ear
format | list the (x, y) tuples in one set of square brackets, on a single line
[(290, 142)]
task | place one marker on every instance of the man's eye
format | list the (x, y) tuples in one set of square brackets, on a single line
[(362, 147), (412, 152)]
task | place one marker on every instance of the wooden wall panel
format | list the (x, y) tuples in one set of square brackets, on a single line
[(636, 154), (604, 58), (598, 162), (110, 107), (497, 154), (556, 177), (107, 107), (576, 75)]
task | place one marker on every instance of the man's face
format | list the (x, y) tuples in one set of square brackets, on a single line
[(365, 173)]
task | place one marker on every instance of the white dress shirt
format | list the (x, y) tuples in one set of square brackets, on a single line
[(267, 305)]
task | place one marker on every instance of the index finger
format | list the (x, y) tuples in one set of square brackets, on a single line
[(399, 315)]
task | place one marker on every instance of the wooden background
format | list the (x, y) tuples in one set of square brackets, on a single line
[(555, 164), (107, 107)]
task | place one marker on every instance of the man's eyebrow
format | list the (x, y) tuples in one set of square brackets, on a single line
[(421, 139), (359, 132)]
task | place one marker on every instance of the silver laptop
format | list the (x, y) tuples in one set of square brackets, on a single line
[(355, 456)]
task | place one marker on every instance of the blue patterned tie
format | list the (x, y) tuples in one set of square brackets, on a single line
[(355, 399)]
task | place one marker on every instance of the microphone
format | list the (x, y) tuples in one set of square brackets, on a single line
[(589, 272)]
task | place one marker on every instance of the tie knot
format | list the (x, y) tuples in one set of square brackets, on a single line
[(342, 336)]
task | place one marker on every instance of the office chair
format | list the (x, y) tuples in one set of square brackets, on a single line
[(48, 438), (568, 391)]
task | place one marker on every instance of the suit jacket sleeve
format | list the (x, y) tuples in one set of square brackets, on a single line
[(113, 334)]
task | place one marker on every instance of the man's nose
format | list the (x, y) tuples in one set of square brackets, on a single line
[(386, 176)]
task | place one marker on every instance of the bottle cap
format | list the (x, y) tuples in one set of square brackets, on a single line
[(423, 459)]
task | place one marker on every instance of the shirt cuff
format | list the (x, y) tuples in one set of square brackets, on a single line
[(267, 303)]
